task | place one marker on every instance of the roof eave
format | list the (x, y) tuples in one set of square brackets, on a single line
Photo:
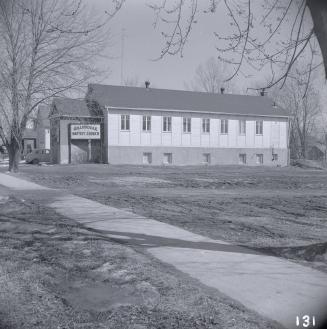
[(190, 111)]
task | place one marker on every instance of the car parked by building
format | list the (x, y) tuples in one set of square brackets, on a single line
[(38, 155)]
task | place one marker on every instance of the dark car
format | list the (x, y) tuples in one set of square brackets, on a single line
[(38, 155)]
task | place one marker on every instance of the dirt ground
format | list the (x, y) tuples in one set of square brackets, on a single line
[(55, 274), (280, 211)]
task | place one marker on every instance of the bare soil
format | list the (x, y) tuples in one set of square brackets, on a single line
[(56, 274), (279, 211)]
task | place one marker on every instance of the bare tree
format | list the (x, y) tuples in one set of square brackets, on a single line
[(304, 110), (48, 47), (268, 32), (210, 77)]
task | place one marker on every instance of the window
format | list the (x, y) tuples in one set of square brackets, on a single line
[(259, 127), (146, 123), (275, 157), (206, 125), (206, 158), (242, 158), (259, 158), (187, 125), (166, 124), (242, 127), (168, 158), (147, 158), (124, 122), (224, 126)]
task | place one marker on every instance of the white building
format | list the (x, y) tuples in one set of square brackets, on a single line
[(158, 126)]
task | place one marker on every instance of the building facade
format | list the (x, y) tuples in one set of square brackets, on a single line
[(184, 138), (162, 127), (156, 126), (37, 132)]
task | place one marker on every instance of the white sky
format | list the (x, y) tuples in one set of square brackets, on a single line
[(143, 43)]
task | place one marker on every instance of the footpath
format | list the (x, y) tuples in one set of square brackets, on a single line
[(274, 287)]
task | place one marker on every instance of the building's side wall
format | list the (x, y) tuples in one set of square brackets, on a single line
[(129, 146), (194, 155)]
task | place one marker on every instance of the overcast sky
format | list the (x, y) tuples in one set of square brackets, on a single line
[(143, 44)]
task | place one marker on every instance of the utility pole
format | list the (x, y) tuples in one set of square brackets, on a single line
[(122, 56)]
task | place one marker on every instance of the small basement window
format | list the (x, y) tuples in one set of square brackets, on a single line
[(168, 158), (242, 158), (147, 158), (206, 158), (259, 158)]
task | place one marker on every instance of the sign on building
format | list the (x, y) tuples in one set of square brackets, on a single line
[(85, 132)]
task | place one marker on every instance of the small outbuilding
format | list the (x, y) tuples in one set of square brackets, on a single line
[(76, 133)]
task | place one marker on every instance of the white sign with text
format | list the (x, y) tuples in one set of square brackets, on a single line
[(85, 132)]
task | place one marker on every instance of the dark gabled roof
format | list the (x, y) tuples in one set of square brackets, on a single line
[(178, 100), (69, 106)]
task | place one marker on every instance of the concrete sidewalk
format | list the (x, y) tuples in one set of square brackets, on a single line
[(271, 286)]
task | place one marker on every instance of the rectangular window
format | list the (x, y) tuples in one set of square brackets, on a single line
[(124, 122), (275, 157), (146, 126), (206, 125), (259, 158), (259, 127), (224, 126), (168, 158), (147, 158), (166, 124), (242, 158), (187, 125), (206, 158), (242, 127)]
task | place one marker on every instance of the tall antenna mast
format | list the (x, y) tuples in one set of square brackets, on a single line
[(122, 56)]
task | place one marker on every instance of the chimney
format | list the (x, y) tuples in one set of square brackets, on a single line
[(147, 84), (222, 90), (263, 92)]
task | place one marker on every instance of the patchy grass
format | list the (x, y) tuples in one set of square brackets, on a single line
[(281, 211), (55, 274)]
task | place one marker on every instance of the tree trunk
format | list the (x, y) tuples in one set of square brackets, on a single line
[(318, 9), (14, 152)]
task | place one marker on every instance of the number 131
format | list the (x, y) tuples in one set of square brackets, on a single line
[(305, 321)]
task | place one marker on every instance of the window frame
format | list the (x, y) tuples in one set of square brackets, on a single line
[(149, 157), (259, 159), (224, 126), (205, 125), (206, 158), (170, 157), (259, 127), (168, 124), (242, 124), (243, 157), (146, 119), (124, 119), (187, 125)]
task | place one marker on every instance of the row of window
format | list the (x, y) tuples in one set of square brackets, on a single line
[(206, 158), (187, 125)]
